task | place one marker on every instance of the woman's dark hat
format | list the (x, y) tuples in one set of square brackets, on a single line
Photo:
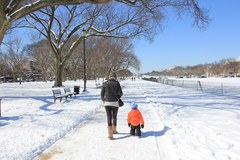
[(113, 75)]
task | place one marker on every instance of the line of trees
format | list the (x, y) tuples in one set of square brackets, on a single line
[(37, 62), (222, 68)]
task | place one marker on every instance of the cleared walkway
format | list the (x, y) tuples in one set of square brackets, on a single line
[(89, 140)]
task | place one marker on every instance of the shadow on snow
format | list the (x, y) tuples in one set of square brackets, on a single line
[(155, 133)]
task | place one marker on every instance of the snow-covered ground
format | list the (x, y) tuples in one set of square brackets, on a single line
[(179, 124)]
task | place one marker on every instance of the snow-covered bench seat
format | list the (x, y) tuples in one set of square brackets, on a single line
[(68, 92), (57, 94)]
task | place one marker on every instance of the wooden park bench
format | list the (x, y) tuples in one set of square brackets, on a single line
[(68, 92), (57, 94)]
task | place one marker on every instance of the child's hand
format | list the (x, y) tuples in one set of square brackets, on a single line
[(129, 124), (142, 125)]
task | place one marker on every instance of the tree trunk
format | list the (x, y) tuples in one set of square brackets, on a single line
[(58, 74), (75, 76), (3, 28), (44, 76)]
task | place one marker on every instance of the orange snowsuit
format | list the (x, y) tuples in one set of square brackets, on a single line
[(135, 117)]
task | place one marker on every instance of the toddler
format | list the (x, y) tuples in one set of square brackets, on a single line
[(135, 120)]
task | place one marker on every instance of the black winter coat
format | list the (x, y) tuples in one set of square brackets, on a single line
[(111, 91)]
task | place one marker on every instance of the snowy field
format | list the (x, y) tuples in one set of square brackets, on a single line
[(180, 124)]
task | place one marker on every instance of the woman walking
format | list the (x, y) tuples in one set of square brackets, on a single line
[(110, 93)]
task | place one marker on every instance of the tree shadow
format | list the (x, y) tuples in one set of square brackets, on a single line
[(13, 118), (3, 124), (155, 133)]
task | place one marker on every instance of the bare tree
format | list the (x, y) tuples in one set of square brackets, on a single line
[(40, 54), (110, 54), (58, 32), (216, 68), (94, 57), (4, 69), (74, 65), (16, 60), (231, 67), (97, 49), (13, 10), (129, 59)]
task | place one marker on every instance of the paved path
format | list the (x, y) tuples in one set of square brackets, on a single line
[(89, 140)]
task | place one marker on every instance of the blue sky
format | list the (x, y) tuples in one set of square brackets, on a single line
[(182, 44)]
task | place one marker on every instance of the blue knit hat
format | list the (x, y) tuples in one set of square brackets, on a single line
[(134, 105)]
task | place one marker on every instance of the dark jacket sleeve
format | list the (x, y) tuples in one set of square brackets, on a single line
[(103, 91)]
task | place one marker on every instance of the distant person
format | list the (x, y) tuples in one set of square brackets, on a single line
[(135, 120), (110, 93)]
